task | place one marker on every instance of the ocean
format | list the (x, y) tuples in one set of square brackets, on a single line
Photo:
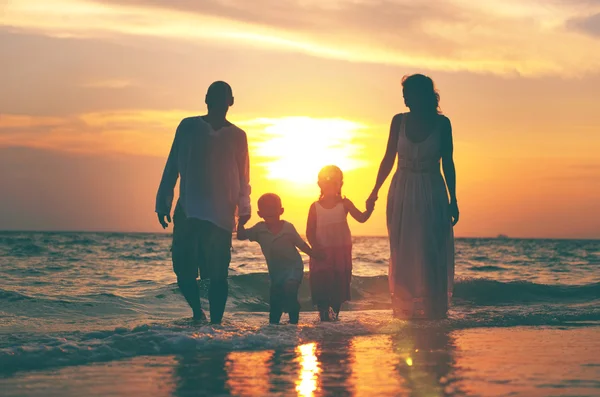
[(99, 314)]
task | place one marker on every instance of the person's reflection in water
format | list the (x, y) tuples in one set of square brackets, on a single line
[(334, 364), (201, 374), (283, 369), (248, 373), (425, 361)]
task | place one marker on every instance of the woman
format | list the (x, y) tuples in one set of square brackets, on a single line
[(422, 207)]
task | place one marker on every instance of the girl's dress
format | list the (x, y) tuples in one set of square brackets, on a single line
[(330, 278), (421, 270)]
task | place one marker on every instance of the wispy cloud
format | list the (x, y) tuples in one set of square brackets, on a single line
[(494, 36), (108, 84), (588, 24), (129, 132)]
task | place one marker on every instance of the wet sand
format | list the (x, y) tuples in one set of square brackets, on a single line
[(420, 361)]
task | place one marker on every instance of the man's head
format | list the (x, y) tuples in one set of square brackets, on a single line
[(269, 207), (219, 98)]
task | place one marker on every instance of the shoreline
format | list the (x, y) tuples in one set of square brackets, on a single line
[(424, 361)]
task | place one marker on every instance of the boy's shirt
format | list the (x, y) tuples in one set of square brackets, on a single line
[(283, 259)]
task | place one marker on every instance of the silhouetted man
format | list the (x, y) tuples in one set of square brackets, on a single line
[(211, 156)]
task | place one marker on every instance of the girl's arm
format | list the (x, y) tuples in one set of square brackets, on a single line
[(361, 217), (311, 226), (388, 159), (449, 168)]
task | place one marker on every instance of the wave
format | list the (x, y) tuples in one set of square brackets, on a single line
[(246, 331), (250, 293)]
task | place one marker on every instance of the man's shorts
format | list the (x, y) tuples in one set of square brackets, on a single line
[(199, 246)]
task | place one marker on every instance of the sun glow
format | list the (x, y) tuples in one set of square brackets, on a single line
[(294, 149)]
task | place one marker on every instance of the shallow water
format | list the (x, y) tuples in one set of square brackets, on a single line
[(429, 361), (97, 302)]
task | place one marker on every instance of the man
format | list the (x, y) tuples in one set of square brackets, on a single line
[(211, 156)]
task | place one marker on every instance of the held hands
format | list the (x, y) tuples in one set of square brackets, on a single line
[(319, 254), (454, 213), (161, 219), (370, 204), (243, 219)]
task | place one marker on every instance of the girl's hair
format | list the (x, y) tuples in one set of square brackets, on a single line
[(420, 93), (331, 173)]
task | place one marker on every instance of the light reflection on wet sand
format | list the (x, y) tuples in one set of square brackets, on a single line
[(418, 361)]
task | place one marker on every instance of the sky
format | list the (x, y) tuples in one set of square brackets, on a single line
[(92, 92)]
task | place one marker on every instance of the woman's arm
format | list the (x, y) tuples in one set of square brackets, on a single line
[(388, 160), (449, 168), (361, 217)]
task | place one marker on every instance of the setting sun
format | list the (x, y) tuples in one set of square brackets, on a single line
[(294, 149)]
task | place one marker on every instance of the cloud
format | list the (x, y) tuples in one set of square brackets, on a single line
[(127, 132), (108, 84), (504, 37), (589, 25)]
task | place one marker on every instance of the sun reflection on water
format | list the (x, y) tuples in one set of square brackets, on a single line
[(307, 382)]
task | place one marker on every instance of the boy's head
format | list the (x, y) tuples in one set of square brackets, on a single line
[(269, 207)]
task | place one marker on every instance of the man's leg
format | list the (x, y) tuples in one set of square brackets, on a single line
[(185, 257), (190, 291), (216, 247), (217, 298)]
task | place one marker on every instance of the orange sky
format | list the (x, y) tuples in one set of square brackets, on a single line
[(92, 93)]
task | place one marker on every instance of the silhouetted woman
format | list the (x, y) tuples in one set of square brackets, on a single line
[(422, 206)]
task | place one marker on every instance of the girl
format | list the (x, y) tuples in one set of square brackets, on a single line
[(328, 232)]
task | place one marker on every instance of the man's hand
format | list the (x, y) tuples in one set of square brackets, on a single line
[(164, 223), (242, 220)]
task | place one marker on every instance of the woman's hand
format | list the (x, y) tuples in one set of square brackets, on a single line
[(370, 204), (454, 213)]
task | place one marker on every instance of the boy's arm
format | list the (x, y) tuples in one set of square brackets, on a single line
[(304, 247), (361, 217), (242, 232), (246, 234)]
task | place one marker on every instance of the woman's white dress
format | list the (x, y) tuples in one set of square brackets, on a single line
[(421, 273)]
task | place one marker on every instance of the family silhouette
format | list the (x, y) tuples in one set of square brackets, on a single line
[(210, 156)]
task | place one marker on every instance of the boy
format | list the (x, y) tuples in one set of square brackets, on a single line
[(278, 240)]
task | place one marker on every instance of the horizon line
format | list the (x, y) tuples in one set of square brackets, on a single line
[(499, 236)]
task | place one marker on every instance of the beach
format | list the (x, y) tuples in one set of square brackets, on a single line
[(99, 314), (423, 361)]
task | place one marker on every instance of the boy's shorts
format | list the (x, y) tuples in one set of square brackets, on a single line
[(199, 247)]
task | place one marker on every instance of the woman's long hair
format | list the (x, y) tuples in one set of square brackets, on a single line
[(420, 94), (328, 174)]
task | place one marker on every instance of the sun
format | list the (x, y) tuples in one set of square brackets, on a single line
[(294, 149)]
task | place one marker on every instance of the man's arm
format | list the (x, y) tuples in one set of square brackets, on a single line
[(243, 161), (166, 189)]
